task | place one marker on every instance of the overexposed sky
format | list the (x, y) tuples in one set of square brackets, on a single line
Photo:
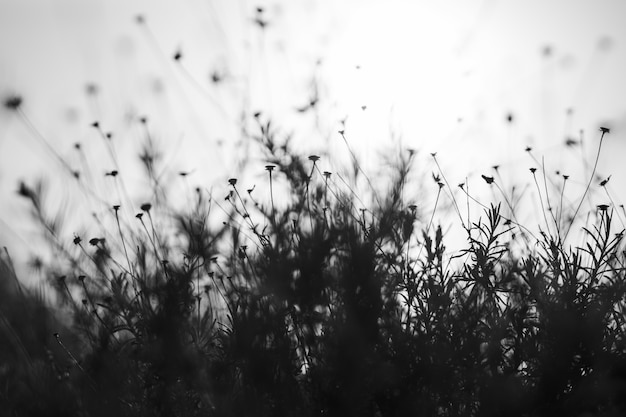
[(438, 76)]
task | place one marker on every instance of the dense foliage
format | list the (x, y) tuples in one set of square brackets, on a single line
[(315, 306)]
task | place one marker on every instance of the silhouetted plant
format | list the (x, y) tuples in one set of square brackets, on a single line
[(319, 304)]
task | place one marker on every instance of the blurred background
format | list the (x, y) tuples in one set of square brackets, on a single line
[(476, 82)]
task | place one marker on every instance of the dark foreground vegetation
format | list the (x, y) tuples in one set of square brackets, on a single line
[(317, 305)]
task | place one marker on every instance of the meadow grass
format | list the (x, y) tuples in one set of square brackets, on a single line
[(311, 298)]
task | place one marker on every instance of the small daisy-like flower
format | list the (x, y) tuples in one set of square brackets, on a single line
[(95, 124), (146, 207), (77, 240), (603, 207), (81, 278), (314, 158), (116, 207), (605, 130), (94, 241), (270, 167), (139, 215), (528, 149), (533, 170), (232, 181), (327, 174)]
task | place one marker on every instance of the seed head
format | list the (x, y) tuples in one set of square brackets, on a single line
[(81, 278), (603, 182), (91, 89), (13, 102), (487, 179)]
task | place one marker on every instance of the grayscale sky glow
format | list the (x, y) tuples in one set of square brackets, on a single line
[(437, 76)]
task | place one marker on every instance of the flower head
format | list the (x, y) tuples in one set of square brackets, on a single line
[(13, 102), (487, 179)]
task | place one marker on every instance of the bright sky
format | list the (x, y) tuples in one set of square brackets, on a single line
[(436, 76)]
